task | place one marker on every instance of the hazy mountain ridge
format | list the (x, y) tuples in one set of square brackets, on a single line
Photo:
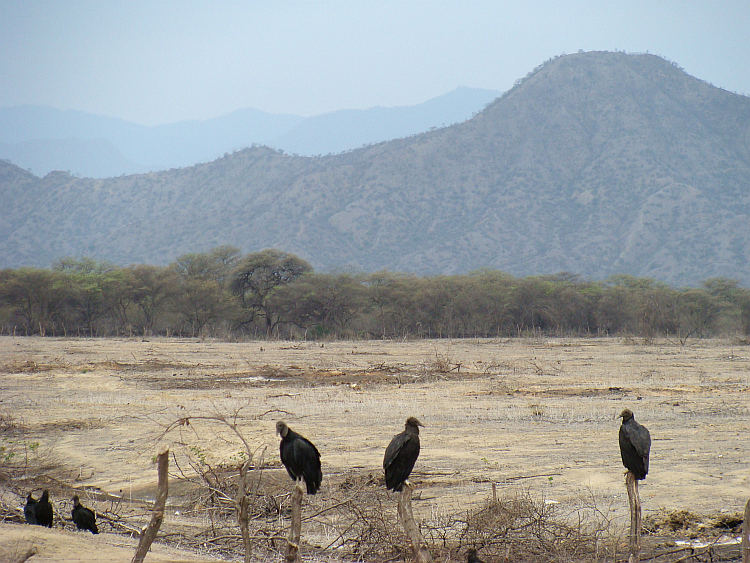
[(45, 139), (597, 164)]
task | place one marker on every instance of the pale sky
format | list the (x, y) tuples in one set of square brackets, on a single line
[(157, 61)]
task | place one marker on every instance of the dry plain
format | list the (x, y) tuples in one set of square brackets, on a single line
[(531, 414)]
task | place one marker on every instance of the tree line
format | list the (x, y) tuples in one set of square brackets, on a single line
[(275, 294)]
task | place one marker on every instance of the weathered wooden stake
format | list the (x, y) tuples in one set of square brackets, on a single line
[(148, 534), (634, 543), (746, 535), (292, 545), (242, 511), (405, 514)]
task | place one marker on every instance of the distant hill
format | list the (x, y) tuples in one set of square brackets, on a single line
[(595, 163), (350, 129), (45, 139)]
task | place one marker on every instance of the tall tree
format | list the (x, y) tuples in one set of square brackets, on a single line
[(151, 288), (258, 276)]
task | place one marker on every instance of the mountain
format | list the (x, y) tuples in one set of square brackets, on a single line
[(349, 129), (595, 163), (45, 139), (98, 157)]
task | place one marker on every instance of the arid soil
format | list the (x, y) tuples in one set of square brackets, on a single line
[(537, 415)]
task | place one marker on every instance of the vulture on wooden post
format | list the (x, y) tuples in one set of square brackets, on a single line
[(635, 445), (401, 455), (300, 457)]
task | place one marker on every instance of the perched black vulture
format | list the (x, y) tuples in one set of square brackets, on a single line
[(29, 511), (44, 510), (471, 556), (300, 457), (401, 455), (635, 445), (84, 518)]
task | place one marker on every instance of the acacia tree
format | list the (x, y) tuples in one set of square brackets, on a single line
[(326, 303), (33, 296), (150, 289), (389, 296), (258, 276), (85, 282)]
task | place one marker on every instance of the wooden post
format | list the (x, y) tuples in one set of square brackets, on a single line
[(418, 543), (634, 543), (242, 511), (292, 545), (157, 514), (746, 535)]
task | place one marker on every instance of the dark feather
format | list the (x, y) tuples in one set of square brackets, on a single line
[(84, 518), (401, 455), (29, 511), (44, 514), (635, 445), (300, 457)]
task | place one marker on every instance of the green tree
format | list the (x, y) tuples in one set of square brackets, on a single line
[(697, 310), (151, 289), (257, 277), (84, 282), (34, 298), (325, 303), (217, 264)]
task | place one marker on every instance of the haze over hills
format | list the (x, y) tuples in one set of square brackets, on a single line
[(596, 163), (45, 139)]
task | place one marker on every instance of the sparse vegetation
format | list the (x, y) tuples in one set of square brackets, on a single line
[(275, 294), (507, 421)]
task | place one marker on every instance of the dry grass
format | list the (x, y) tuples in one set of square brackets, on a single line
[(536, 417)]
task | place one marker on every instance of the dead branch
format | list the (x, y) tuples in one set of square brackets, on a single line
[(157, 516)]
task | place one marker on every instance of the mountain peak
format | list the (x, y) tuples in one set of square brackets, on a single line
[(595, 163)]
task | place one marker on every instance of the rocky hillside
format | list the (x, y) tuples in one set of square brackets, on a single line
[(595, 163)]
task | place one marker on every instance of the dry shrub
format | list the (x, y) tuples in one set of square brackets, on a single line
[(363, 514), (30, 365), (22, 460), (520, 528)]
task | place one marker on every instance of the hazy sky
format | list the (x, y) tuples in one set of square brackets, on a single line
[(161, 61)]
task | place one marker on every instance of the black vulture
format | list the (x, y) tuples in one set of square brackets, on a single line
[(44, 510), (29, 511), (401, 455), (471, 556), (84, 518), (635, 445), (300, 457)]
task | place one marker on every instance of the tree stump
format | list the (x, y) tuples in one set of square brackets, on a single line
[(634, 540), (292, 544), (418, 543)]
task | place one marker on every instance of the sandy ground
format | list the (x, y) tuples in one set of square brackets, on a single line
[(533, 414)]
